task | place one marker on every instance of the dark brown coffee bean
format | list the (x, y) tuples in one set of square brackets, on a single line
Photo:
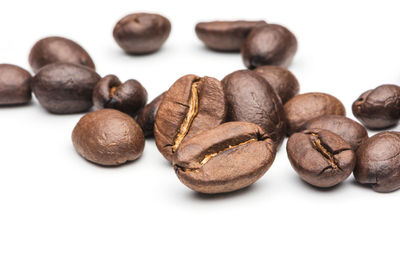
[(147, 116), (14, 85), (270, 44), (108, 137), (302, 108), (64, 88), (351, 131), (57, 49), (320, 157), (225, 35), (229, 157), (378, 162), (250, 98), (282, 81), (378, 108), (141, 33), (128, 97), (190, 106)]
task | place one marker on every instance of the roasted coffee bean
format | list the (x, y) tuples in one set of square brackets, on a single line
[(58, 49), (378, 162), (302, 108), (320, 157), (282, 81), (225, 35), (351, 131), (270, 44), (147, 116), (229, 157), (128, 97), (14, 85), (108, 137), (250, 98), (64, 88), (378, 108), (141, 33), (190, 106)]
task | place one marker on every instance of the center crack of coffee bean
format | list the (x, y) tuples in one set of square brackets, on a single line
[(113, 90), (190, 115), (210, 156), (319, 146)]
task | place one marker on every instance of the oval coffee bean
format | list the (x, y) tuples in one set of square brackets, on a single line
[(302, 108), (281, 80), (190, 106), (250, 98), (351, 131), (378, 108), (142, 33), (147, 116), (225, 35), (64, 88), (14, 85), (320, 157), (108, 137), (378, 162), (58, 49), (229, 157), (129, 97), (270, 44)]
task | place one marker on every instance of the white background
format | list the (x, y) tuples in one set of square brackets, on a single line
[(57, 209)]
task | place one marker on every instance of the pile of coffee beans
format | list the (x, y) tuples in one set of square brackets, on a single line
[(218, 135)]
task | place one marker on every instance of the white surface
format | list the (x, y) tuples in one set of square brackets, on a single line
[(56, 209)]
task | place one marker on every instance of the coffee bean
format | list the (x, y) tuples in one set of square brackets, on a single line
[(320, 157), (190, 106), (302, 108), (64, 88), (351, 131), (229, 157), (108, 137), (270, 44), (58, 49), (147, 116), (378, 108), (281, 80), (225, 35), (250, 98), (14, 85), (378, 162), (128, 97), (141, 33)]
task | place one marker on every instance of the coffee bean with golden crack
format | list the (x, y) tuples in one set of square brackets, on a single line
[(320, 157), (227, 158), (192, 105), (108, 137)]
